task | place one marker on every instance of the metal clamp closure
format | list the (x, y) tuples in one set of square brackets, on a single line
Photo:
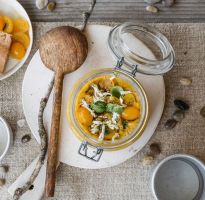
[(90, 152), (120, 64)]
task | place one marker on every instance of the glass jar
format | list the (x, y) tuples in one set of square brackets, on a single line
[(124, 42), (125, 141)]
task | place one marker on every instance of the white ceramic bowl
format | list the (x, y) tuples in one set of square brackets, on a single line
[(14, 9), (6, 137), (179, 177)]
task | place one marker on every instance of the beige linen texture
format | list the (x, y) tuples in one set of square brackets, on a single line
[(130, 180)]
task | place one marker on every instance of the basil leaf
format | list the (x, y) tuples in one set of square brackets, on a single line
[(114, 108), (116, 91), (99, 106)]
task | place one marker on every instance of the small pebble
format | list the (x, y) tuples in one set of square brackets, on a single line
[(155, 149), (202, 112), (51, 6), (25, 138), (181, 104), (152, 9), (2, 170), (152, 1), (21, 123), (185, 81), (170, 123), (2, 182), (148, 160), (178, 115), (168, 3), (31, 187), (41, 4)]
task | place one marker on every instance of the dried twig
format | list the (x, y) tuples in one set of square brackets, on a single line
[(43, 147), (87, 14)]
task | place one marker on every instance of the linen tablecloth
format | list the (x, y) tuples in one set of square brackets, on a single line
[(130, 180)]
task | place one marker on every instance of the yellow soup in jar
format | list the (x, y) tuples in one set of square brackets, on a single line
[(108, 108)]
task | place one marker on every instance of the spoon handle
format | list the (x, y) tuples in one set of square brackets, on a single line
[(54, 136)]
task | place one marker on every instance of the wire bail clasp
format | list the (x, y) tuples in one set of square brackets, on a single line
[(120, 63), (90, 152)]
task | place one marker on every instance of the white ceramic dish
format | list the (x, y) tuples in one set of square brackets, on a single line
[(35, 84), (6, 137), (14, 9), (179, 177)]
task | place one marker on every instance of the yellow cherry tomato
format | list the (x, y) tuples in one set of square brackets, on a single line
[(17, 50), (84, 116), (2, 23), (129, 99), (23, 38), (8, 28), (20, 25), (130, 113)]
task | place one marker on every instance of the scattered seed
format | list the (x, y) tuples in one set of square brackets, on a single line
[(2, 182), (202, 112), (168, 3), (31, 187), (51, 6), (25, 138), (185, 81), (181, 104), (21, 123), (178, 115), (170, 123), (152, 1), (152, 9), (155, 149), (148, 160), (41, 4), (185, 53)]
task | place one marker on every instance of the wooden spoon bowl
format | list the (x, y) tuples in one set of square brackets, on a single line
[(63, 50)]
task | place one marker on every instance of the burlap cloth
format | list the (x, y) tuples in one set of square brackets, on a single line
[(130, 180)]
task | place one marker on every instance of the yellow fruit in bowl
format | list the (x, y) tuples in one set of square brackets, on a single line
[(2, 23), (20, 25), (8, 28), (17, 50), (23, 38)]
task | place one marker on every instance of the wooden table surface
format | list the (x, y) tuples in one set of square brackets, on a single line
[(119, 11)]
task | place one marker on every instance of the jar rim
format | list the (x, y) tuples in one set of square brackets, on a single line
[(120, 49)]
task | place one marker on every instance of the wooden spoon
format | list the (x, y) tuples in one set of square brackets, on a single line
[(62, 50)]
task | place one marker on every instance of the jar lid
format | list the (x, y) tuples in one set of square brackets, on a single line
[(126, 40)]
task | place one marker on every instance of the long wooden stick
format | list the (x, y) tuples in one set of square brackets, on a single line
[(54, 136)]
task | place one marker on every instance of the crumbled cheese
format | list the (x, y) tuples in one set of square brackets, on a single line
[(103, 117), (115, 117), (121, 102), (115, 136), (95, 126), (85, 105), (102, 134), (111, 125), (98, 95), (125, 92)]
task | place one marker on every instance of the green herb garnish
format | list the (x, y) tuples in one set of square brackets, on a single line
[(125, 124), (114, 108), (116, 91), (98, 106)]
